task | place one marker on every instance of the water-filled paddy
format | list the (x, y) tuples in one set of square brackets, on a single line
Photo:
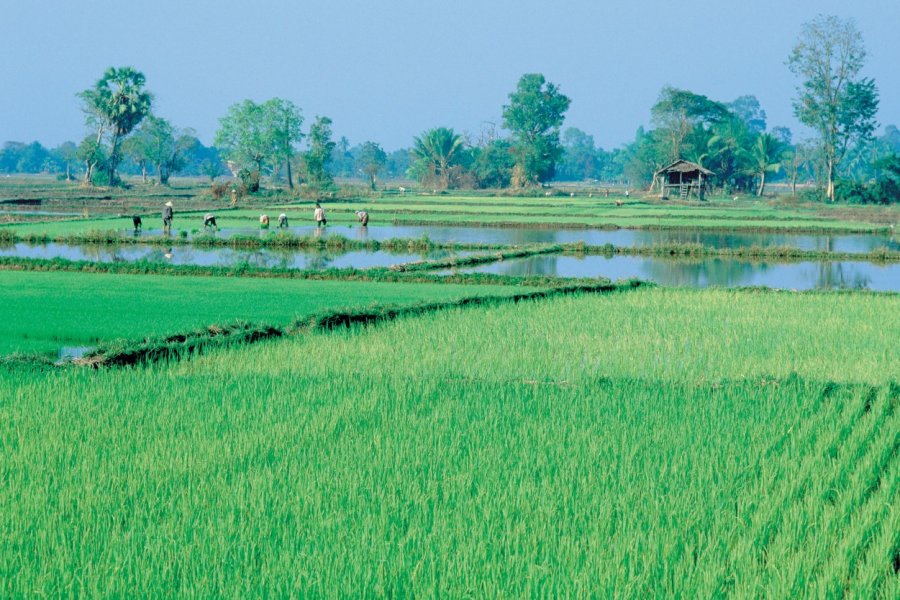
[(189, 255), (856, 243), (709, 272)]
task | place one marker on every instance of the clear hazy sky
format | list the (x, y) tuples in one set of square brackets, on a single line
[(387, 70)]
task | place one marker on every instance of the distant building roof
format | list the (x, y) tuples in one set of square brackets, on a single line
[(684, 166)]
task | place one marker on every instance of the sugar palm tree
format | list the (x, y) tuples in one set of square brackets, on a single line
[(439, 149), (118, 103)]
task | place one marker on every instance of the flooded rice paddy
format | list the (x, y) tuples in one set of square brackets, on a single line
[(855, 243), (222, 257), (709, 271)]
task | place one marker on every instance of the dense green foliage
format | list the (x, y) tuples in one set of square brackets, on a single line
[(534, 115), (317, 158), (438, 156), (639, 444), (253, 136)]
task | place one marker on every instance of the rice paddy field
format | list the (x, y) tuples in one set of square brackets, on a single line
[(41, 312), (421, 430), (96, 210), (652, 442)]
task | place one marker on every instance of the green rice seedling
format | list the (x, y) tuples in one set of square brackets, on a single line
[(43, 311), (641, 443)]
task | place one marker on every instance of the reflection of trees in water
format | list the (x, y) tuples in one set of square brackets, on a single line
[(531, 236), (489, 235), (155, 254), (712, 239), (319, 260), (700, 272), (92, 252), (533, 265), (838, 275), (263, 258)]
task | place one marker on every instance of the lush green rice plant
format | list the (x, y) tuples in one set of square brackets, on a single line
[(642, 444)]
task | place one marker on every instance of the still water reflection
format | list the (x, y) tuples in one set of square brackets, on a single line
[(188, 255), (725, 272), (857, 243)]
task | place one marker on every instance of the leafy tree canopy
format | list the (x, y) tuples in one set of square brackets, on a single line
[(534, 115)]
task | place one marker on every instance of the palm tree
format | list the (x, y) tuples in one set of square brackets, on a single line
[(765, 157), (117, 102), (438, 150)]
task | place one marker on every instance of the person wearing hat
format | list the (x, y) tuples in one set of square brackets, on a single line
[(264, 221), (363, 217), (282, 221), (167, 217), (209, 222)]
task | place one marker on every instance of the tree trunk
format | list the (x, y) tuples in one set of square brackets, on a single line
[(159, 174), (290, 178), (762, 184), (111, 170), (143, 172), (68, 175), (829, 191)]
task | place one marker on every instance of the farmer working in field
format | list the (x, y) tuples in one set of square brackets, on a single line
[(209, 222), (264, 221), (320, 216), (167, 215), (363, 217), (138, 223), (282, 221)]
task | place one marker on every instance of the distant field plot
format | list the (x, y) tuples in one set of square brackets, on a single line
[(579, 211), (641, 444), (41, 312)]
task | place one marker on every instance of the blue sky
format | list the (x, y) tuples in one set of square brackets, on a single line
[(387, 70)]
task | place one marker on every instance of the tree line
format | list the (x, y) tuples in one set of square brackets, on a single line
[(266, 141)]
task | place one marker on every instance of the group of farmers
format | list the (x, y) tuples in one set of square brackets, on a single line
[(209, 219)]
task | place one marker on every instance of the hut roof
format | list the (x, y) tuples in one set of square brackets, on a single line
[(684, 166)]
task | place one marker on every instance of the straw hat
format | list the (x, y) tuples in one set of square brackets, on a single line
[(169, 203)]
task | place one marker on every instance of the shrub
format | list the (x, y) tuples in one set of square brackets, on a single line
[(219, 190), (250, 180)]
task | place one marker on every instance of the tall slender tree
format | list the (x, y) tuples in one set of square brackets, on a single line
[(282, 132), (833, 98), (371, 160), (321, 149)]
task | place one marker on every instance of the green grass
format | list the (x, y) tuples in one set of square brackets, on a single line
[(42, 311), (640, 444)]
